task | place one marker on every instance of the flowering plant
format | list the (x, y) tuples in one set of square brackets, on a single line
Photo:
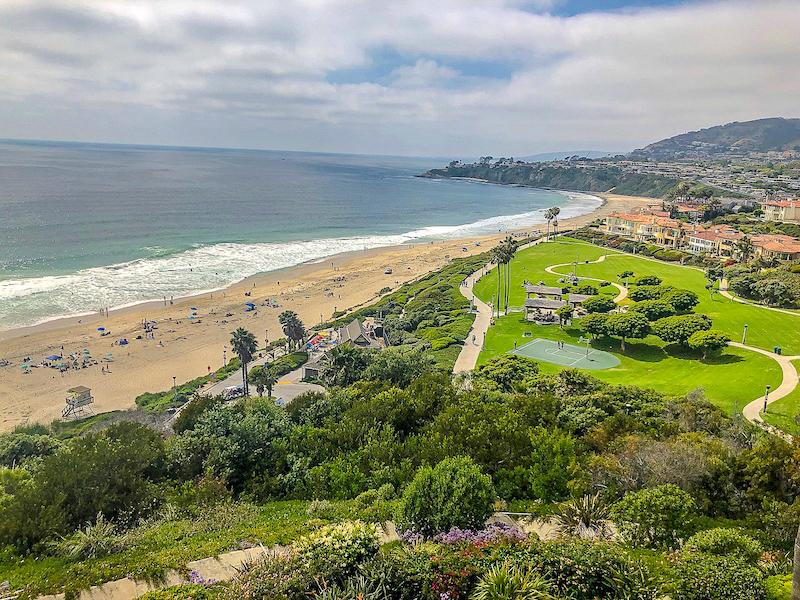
[(337, 549)]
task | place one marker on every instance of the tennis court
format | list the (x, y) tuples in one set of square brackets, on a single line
[(569, 356)]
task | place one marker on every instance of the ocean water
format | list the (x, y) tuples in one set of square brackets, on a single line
[(84, 226)]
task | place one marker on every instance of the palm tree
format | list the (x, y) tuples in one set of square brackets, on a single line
[(496, 255), (508, 248), (244, 346), (343, 365), (555, 211), (548, 214), (264, 378), (293, 327), (585, 517)]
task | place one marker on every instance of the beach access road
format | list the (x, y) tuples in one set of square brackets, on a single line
[(288, 387)]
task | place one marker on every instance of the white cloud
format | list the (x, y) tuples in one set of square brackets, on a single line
[(260, 73)]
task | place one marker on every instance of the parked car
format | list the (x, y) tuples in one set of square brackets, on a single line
[(233, 392)]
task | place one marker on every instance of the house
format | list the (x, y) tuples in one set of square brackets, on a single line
[(782, 247), (782, 210), (649, 228), (369, 335)]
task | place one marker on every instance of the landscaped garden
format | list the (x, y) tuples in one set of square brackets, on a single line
[(731, 379)]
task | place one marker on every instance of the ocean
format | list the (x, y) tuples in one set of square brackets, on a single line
[(85, 226)]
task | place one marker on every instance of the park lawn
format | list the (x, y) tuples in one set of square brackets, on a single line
[(730, 381), (766, 328), (782, 413), (530, 264)]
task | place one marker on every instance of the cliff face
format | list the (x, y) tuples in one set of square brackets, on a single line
[(563, 178)]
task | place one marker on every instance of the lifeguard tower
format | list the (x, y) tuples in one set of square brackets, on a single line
[(78, 401)]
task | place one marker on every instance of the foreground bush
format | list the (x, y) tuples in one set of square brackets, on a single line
[(455, 493), (335, 550), (725, 542), (708, 577), (657, 517)]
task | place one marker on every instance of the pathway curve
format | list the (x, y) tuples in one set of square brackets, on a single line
[(468, 357), (623, 291)]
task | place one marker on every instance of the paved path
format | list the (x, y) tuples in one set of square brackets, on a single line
[(468, 356), (723, 290), (623, 291), (288, 388)]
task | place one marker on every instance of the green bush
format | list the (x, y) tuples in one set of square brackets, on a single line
[(454, 493), (442, 342), (192, 591), (656, 517), (709, 577), (778, 587), (336, 550), (725, 542)]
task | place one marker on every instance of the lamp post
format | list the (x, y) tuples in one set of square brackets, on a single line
[(744, 334), (224, 358), (766, 399), (175, 385), (266, 338)]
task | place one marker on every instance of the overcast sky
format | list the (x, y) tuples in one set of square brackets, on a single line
[(417, 77)]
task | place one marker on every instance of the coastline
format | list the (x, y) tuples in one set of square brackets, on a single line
[(186, 349)]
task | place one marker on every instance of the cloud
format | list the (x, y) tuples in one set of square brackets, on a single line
[(444, 77)]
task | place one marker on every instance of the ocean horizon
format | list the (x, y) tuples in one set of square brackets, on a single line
[(87, 226)]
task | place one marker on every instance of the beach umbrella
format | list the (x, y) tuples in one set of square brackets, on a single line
[(101, 329), (61, 365), (109, 354), (157, 321), (86, 352), (249, 304), (24, 367), (53, 357), (192, 317)]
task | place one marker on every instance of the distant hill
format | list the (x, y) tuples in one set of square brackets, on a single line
[(762, 135), (548, 156)]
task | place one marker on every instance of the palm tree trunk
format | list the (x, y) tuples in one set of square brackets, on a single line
[(499, 301), (508, 284), (244, 378), (796, 568)]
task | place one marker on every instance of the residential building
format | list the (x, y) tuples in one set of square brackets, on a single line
[(782, 210)]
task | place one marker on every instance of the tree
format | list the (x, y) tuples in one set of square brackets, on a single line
[(744, 285), (648, 292), (454, 493), (772, 291), (628, 325), (264, 378), (398, 366), (714, 274), (682, 300), (598, 304), (745, 247), (549, 215), (244, 346), (344, 365), (564, 314), (554, 463), (648, 280), (656, 517), (680, 328), (555, 211), (654, 309), (625, 275), (594, 324), (293, 327), (709, 341), (505, 372)]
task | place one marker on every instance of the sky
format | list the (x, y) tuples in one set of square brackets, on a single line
[(446, 78)]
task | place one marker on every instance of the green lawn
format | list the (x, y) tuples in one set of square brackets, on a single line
[(782, 412), (731, 380), (766, 328)]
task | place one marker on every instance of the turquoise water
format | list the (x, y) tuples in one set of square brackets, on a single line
[(85, 226)]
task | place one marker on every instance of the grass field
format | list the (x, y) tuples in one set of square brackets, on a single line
[(730, 381)]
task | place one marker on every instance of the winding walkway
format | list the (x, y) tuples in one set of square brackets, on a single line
[(623, 291)]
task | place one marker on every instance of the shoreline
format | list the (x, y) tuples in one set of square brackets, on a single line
[(186, 349)]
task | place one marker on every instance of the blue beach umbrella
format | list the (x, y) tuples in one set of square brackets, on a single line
[(190, 308), (101, 329), (53, 357), (24, 367), (249, 304)]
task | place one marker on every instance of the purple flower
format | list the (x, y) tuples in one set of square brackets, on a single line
[(492, 533)]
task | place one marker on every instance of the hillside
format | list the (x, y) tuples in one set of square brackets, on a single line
[(563, 178), (762, 135)]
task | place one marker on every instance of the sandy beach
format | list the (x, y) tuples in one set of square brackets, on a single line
[(186, 348)]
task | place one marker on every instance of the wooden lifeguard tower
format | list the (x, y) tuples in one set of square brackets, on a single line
[(78, 401)]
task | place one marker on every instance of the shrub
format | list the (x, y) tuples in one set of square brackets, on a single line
[(778, 587), (92, 541), (648, 280), (708, 342), (654, 309), (442, 342), (454, 493), (336, 550), (723, 542), (647, 292), (192, 591), (655, 517), (679, 328), (598, 304), (709, 577), (682, 300)]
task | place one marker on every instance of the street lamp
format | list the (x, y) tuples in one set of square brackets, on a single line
[(744, 335), (766, 399), (266, 338), (175, 385), (224, 358)]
